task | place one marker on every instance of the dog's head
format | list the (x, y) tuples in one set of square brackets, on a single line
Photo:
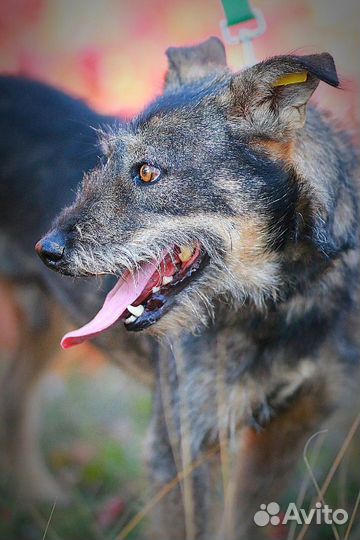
[(207, 194)]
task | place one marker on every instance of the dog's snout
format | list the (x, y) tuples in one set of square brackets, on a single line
[(51, 248)]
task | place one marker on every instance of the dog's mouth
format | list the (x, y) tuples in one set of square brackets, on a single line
[(140, 299)]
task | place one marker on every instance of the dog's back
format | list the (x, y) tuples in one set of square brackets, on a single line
[(47, 141)]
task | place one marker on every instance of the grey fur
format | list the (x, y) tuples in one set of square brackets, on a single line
[(260, 350)]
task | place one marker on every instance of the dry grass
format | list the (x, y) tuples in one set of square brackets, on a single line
[(76, 418)]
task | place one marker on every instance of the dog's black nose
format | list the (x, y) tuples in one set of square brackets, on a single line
[(51, 248)]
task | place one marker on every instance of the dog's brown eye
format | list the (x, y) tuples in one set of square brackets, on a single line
[(149, 173)]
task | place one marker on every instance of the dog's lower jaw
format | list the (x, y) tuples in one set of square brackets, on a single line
[(216, 302), (168, 293)]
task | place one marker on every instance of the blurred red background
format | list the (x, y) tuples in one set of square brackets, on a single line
[(112, 52)]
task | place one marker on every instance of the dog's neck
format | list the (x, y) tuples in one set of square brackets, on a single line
[(299, 324)]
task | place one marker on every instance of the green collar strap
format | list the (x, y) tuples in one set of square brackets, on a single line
[(237, 11)]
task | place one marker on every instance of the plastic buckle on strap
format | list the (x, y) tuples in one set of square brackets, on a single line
[(245, 36)]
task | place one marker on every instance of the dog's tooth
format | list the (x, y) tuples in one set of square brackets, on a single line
[(155, 289), (135, 310), (167, 279), (130, 319), (186, 253)]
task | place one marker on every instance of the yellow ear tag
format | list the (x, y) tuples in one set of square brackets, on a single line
[(291, 78)]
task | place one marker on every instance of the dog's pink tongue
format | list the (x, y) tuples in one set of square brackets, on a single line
[(125, 292)]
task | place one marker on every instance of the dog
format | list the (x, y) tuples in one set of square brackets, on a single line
[(48, 140), (228, 210)]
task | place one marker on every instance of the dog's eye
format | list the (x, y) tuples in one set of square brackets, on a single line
[(148, 173)]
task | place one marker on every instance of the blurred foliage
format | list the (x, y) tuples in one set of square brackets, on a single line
[(92, 437)]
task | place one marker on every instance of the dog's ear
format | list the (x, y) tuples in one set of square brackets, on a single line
[(188, 64), (273, 94)]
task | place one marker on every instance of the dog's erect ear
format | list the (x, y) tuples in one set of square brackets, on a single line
[(188, 64), (273, 94)]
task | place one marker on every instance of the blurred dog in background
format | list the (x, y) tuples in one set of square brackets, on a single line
[(47, 141)]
